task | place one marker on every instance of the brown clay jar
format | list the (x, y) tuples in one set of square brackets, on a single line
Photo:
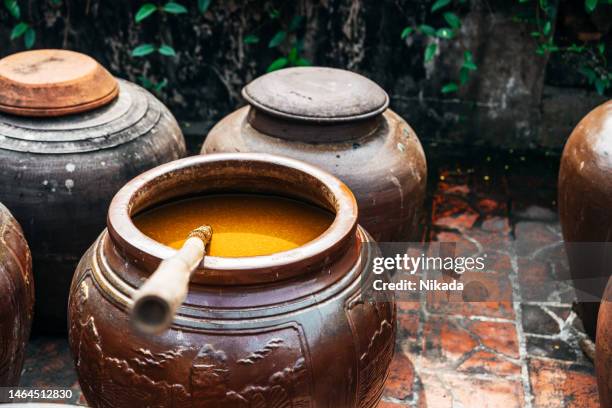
[(585, 207), (283, 330), (339, 121), (603, 364), (70, 136), (16, 298)]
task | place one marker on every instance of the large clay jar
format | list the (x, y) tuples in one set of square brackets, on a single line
[(339, 121), (70, 136), (585, 209), (603, 364), (16, 298), (284, 330)]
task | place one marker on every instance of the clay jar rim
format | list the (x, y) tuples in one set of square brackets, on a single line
[(147, 253)]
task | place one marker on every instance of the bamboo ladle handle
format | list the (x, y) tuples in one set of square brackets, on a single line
[(155, 303)]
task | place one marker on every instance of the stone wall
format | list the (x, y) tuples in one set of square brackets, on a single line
[(516, 99)]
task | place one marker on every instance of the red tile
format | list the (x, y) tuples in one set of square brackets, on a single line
[(400, 382), (445, 342), (484, 294), (385, 404), (498, 336), (485, 362), (557, 384), (531, 236), (408, 325), (446, 390), (453, 212)]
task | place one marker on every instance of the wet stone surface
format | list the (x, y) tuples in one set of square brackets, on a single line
[(521, 349)]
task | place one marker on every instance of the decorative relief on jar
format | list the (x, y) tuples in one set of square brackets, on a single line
[(373, 327), (276, 368)]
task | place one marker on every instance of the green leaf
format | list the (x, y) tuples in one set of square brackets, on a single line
[(295, 23), (29, 38), (439, 4), (303, 62), (430, 51), (547, 28), (19, 30), (452, 19), (450, 87), (251, 39), (142, 50), (293, 55), (406, 32), (590, 5), (174, 8), (274, 13), (575, 48), (601, 47), (427, 29), (161, 85), (470, 65), (13, 8), (588, 73), (144, 11), (146, 82), (445, 33), (166, 50), (535, 34), (203, 6), (600, 86), (468, 61), (277, 39), (278, 64)]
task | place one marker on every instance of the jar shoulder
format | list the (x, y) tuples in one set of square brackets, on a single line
[(394, 149)]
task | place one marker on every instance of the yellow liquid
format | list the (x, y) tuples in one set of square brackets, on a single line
[(242, 224)]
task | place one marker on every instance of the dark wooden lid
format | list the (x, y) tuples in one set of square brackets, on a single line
[(316, 94), (53, 83)]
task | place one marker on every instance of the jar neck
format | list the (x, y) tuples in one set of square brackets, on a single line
[(231, 172), (313, 132)]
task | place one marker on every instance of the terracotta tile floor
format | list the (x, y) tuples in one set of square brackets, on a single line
[(521, 350)]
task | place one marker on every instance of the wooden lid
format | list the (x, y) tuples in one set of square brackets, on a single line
[(53, 83), (316, 94)]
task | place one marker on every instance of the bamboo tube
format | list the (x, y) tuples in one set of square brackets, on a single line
[(157, 300)]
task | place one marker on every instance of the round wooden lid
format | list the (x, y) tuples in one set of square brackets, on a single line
[(316, 94), (53, 83)]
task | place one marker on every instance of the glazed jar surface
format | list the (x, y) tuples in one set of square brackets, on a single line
[(338, 121), (603, 364), (58, 175), (585, 200), (283, 330), (16, 298)]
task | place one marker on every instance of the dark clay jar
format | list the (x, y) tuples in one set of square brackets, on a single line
[(339, 121), (603, 364), (16, 298), (283, 330), (585, 207), (60, 167)]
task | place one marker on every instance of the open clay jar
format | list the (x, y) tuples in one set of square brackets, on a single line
[(286, 328)]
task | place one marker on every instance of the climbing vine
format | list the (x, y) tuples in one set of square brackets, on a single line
[(287, 37), (593, 64), (143, 15), (23, 28), (444, 33), (282, 33)]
